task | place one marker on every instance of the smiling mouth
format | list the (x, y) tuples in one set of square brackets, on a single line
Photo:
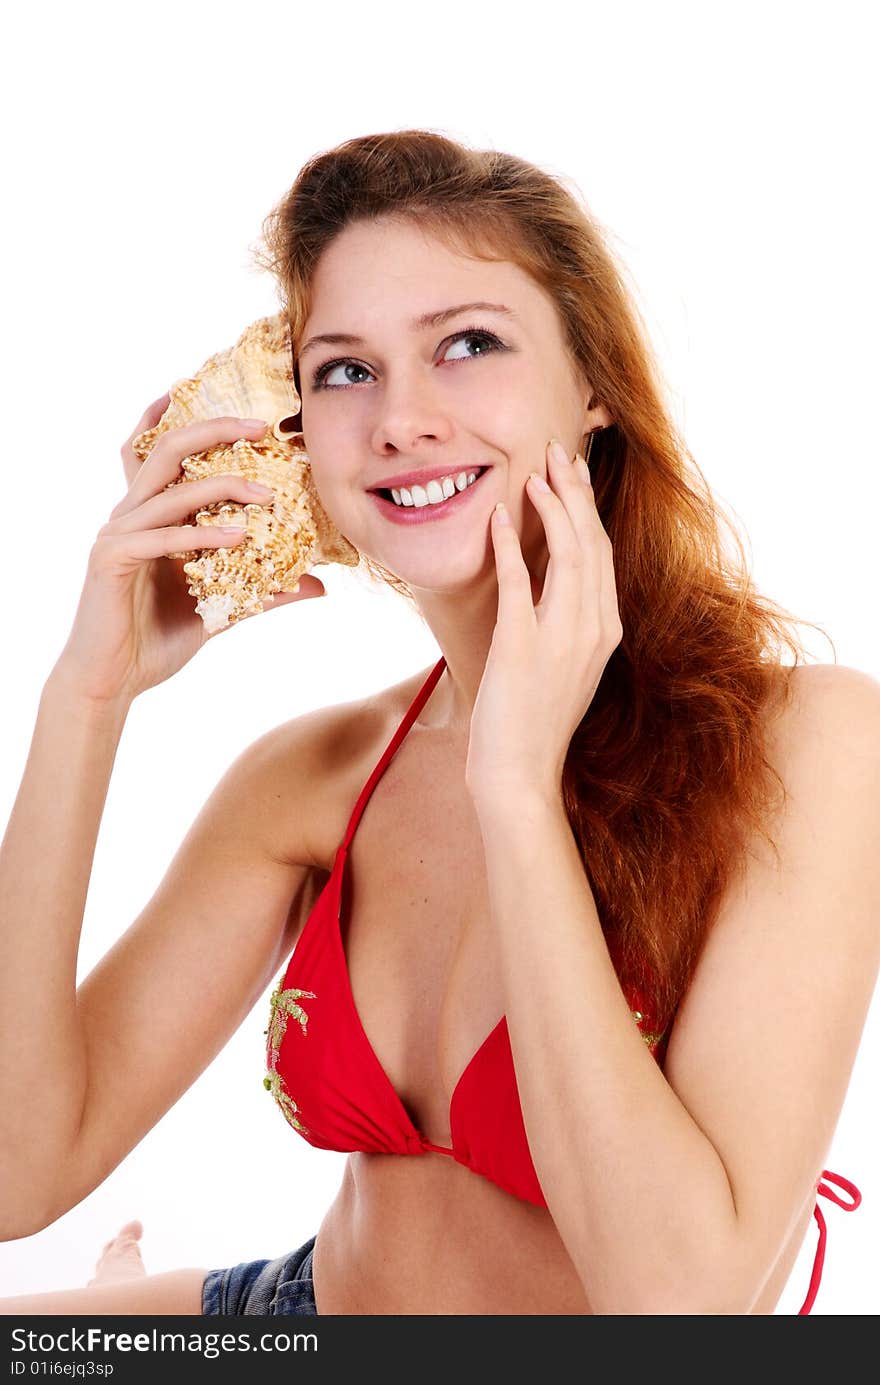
[(419, 513), (385, 492)]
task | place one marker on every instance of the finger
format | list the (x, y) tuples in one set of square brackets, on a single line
[(121, 553), (310, 588), (131, 462), (607, 582), (563, 480), (164, 463), (567, 544), (515, 605), (176, 503), (152, 413), (574, 489), (582, 471)]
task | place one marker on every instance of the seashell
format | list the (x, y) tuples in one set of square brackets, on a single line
[(287, 535)]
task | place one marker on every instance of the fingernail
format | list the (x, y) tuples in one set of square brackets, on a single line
[(255, 422), (557, 451), (258, 489)]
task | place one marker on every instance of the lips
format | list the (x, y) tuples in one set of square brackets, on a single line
[(421, 514), (421, 478)]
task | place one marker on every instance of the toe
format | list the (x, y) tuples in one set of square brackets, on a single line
[(133, 1230)]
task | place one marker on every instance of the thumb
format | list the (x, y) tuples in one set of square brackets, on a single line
[(309, 586)]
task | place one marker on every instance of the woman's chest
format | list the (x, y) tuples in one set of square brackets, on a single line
[(422, 961)]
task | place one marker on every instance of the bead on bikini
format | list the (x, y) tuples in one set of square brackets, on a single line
[(650, 1039)]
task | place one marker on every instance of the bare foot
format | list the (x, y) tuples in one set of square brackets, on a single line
[(121, 1258)]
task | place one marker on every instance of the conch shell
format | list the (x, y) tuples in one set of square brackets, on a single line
[(287, 535)]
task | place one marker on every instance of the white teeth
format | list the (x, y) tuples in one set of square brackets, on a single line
[(435, 492)]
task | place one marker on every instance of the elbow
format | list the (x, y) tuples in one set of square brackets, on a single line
[(672, 1290), (706, 1297), (26, 1215), (16, 1229), (665, 1306), (688, 1303), (697, 1306)]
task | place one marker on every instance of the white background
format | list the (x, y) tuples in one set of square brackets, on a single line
[(727, 148)]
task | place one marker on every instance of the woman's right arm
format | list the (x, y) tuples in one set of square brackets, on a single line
[(45, 866), (84, 1075)]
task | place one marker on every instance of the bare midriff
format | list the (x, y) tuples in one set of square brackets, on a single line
[(423, 1235)]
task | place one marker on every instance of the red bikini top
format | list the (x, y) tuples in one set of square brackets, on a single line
[(325, 1076)]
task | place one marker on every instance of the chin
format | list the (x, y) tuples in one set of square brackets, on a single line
[(462, 584), (442, 574)]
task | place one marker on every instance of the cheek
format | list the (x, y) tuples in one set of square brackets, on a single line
[(328, 492), (344, 503)]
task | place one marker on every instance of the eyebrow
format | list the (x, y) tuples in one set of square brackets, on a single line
[(417, 324)]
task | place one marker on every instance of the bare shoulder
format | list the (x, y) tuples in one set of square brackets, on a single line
[(829, 703), (322, 759), (765, 1040), (850, 686)]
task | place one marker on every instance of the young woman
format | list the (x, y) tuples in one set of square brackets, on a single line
[(575, 932)]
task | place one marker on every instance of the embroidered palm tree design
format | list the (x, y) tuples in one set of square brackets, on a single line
[(283, 1006), (274, 1083)]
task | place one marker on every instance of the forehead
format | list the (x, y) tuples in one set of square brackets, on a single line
[(373, 268)]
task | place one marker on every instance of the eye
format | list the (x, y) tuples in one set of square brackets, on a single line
[(488, 343)]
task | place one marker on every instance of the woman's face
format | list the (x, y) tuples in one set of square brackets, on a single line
[(433, 399)]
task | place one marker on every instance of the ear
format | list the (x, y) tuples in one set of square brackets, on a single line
[(596, 415), (596, 420)]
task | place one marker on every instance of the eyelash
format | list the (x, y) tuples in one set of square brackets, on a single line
[(323, 370)]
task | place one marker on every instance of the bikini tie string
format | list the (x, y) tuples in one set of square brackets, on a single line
[(816, 1276)]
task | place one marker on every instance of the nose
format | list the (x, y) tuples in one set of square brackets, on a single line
[(407, 410)]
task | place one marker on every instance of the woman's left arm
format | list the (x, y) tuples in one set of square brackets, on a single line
[(673, 1191), (638, 1193)]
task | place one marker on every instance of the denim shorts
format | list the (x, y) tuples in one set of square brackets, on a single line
[(263, 1287)]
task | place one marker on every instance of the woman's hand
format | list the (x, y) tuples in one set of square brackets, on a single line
[(545, 661), (136, 623)]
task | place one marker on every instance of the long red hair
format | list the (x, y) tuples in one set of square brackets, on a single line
[(666, 777)]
